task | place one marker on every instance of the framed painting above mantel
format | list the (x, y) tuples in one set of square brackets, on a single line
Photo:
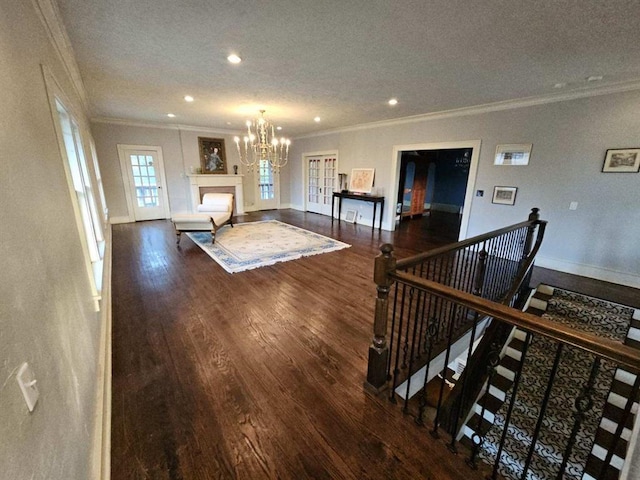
[(212, 155)]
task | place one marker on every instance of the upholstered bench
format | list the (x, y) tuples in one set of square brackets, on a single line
[(215, 211)]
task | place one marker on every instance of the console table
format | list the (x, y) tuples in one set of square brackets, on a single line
[(365, 198)]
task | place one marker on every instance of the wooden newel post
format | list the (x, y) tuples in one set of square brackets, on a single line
[(528, 244), (379, 350)]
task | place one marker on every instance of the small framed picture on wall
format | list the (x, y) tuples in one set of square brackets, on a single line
[(504, 195), (625, 160)]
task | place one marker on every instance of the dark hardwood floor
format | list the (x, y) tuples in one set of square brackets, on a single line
[(259, 374)]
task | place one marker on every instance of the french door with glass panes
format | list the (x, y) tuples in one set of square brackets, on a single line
[(321, 182), (267, 196), (143, 173)]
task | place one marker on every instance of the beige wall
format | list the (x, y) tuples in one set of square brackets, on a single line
[(569, 138), (179, 151), (47, 313)]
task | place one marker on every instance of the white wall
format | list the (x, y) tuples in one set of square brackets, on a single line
[(47, 313), (180, 152), (569, 140)]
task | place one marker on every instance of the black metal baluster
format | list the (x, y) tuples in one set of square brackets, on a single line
[(543, 409), (583, 403), (514, 394), (463, 393), (396, 369), (405, 408), (405, 346), (393, 330), (436, 421), (478, 437), (432, 332), (422, 325)]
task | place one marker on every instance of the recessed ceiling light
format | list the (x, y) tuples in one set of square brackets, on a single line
[(560, 85), (171, 115), (278, 128), (188, 98), (393, 101), (233, 58), (594, 78), (317, 119)]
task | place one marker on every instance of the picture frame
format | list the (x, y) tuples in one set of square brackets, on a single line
[(350, 216), (504, 195), (213, 159), (361, 180), (623, 160), (513, 154)]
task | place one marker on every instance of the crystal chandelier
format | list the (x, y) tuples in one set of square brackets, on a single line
[(261, 143)]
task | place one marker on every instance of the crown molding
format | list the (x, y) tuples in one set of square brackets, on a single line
[(584, 92), (49, 15), (175, 126)]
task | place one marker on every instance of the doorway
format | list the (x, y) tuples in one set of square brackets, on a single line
[(434, 183), (320, 182), (144, 180)]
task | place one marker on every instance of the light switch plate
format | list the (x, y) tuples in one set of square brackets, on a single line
[(27, 381)]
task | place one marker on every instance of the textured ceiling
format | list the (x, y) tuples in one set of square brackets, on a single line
[(340, 60)]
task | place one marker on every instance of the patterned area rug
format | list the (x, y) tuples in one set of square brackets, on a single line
[(588, 314), (258, 244)]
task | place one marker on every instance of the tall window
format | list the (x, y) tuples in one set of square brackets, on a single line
[(77, 162), (265, 181)]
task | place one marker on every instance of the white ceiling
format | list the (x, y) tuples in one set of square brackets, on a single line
[(341, 59)]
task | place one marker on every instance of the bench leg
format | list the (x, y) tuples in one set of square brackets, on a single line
[(178, 233)]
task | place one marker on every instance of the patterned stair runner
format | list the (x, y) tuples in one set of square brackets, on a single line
[(591, 315)]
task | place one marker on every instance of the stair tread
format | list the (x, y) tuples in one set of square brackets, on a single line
[(607, 439)]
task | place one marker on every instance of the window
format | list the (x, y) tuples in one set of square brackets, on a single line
[(85, 197), (265, 181)]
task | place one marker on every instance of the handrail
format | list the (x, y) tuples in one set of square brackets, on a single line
[(612, 350), (419, 258)]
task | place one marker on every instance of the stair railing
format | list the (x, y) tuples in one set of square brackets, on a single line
[(435, 306), (487, 265)]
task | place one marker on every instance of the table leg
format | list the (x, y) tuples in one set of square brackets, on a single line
[(381, 213), (339, 209), (333, 202), (373, 220)]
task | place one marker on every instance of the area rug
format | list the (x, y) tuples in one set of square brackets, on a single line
[(258, 244)]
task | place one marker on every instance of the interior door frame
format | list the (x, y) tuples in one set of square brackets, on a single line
[(305, 170), (471, 179), (126, 177)]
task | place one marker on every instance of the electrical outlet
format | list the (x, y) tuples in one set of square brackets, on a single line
[(27, 381), (573, 206)]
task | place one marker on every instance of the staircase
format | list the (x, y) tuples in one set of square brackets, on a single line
[(604, 457)]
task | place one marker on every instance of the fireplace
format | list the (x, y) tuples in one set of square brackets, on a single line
[(201, 184)]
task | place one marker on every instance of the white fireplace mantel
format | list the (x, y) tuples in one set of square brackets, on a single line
[(215, 180)]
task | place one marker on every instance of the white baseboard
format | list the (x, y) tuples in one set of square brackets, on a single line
[(599, 273), (114, 220), (101, 454)]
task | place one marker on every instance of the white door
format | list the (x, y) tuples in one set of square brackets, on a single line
[(267, 195), (143, 173), (321, 182)]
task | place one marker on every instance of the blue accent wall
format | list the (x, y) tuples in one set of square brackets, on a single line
[(452, 171)]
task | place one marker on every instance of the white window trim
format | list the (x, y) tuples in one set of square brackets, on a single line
[(55, 93)]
